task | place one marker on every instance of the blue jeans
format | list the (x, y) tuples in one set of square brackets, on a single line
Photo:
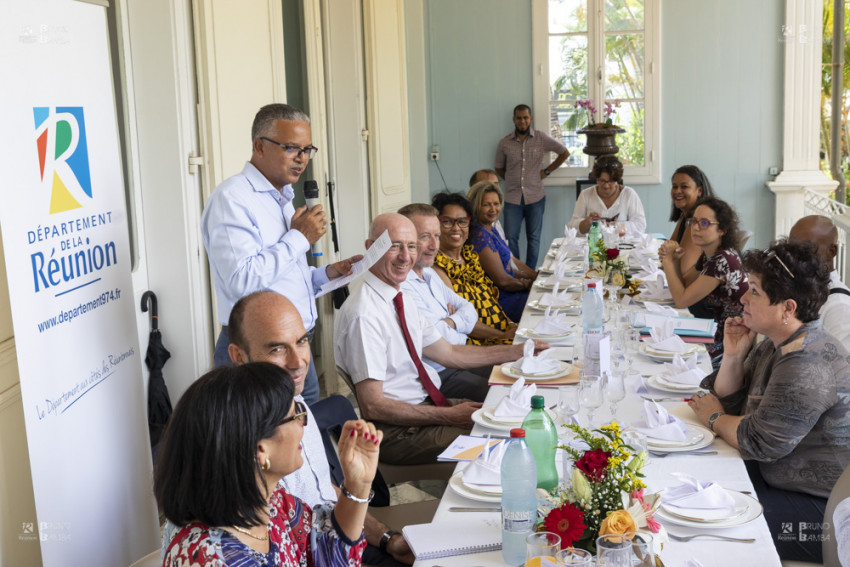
[(222, 358), (533, 215)]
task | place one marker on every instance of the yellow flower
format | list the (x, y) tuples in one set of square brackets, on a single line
[(618, 522)]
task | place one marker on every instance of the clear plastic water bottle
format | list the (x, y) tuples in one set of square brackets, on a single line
[(542, 437), (595, 241), (519, 498), (591, 322)]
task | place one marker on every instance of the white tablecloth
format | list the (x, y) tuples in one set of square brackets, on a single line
[(726, 467)]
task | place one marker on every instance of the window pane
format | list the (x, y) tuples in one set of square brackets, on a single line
[(567, 16), (630, 117), (622, 15), (624, 63), (568, 67), (565, 120)]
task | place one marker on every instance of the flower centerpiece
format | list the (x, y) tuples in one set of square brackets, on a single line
[(608, 266), (606, 495)]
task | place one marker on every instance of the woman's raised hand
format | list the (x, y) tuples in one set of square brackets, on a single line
[(737, 337), (359, 446)]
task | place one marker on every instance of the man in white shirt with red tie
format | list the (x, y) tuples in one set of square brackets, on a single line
[(379, 341)]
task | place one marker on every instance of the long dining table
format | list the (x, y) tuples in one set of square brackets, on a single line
[(725, 467)]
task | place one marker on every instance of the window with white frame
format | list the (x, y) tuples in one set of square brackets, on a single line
[(604, 51)]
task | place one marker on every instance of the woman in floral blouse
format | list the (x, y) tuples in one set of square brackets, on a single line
[(721, 281), (234, 434)]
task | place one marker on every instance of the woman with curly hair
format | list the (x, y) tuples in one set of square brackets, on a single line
[(459, 266), (609, 200), (721, 281), (784, 403)]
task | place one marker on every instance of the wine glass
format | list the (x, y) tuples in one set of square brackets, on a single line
[(567, 404), (632, 347), (615, 391), (590, 395)]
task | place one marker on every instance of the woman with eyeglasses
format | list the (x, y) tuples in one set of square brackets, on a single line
[(784, 403), (609, 200), (459, 266), (234, 434), (512, 277), (721, 281)]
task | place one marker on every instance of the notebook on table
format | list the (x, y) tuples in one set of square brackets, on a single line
[(444, 539)]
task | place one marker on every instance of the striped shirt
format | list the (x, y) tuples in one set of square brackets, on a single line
[(522, 162)]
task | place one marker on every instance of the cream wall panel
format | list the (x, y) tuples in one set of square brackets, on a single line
[(6, 331), (386, 88)]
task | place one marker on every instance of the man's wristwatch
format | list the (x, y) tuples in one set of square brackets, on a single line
[(385, 539), (714, 418), (547, 172)]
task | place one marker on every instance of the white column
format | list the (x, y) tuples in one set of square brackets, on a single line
[(801, 114)]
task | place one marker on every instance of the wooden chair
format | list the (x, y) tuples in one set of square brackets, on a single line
[(395, 474)]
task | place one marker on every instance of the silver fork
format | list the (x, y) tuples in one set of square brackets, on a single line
[(662, 455), (727, 538)]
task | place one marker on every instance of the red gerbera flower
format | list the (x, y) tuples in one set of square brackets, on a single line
[(566, 521)]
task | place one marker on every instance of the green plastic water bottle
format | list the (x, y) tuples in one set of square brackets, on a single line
[(542, 438), (595, 242)]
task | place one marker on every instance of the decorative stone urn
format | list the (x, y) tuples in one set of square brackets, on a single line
[(601, 139)]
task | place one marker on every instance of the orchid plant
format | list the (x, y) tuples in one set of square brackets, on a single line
[(611, 107)]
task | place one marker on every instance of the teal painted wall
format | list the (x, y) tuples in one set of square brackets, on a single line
[(721, 99)]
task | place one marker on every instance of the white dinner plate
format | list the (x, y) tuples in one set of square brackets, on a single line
[(456, 484), (694, 436), (562, 369), (662, 356), (569, 284), (530, 334), (660, 301), (570, 306), (479, 418), (707, 439), (659, 383), (489, 414), (753, 511)]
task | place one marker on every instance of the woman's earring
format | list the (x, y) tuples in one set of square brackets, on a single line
[(267, 465)]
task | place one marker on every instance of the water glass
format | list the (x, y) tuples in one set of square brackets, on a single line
[(542, 544), (614, 550), (590, 395), (615, 391), (574, 557)]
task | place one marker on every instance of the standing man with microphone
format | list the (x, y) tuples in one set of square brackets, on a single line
[(256, 239)]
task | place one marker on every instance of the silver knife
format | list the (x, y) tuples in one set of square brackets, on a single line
[(465, 509)]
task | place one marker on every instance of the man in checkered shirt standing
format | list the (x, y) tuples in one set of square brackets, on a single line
[(519, 161)]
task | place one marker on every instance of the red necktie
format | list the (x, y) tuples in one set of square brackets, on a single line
[(436, 396)]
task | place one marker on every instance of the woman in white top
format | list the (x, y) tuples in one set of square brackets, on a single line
[(609, 200)]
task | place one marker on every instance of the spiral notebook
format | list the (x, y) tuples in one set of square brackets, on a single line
[(444, 539)]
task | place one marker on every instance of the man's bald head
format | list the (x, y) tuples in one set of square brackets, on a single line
[(820, 230), (393, 267), (266, 326)]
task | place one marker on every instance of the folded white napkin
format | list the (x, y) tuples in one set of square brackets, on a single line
[(530, 364), (573, 243), (694, 493), (485, 471), (657, 288), (683, 371), (663, 338), (693, 563), (558, 276), (518, 401), (645, 244), (610, 236), (661, 309), (656, 423), (645, 267), (553, 323), (556, 298)]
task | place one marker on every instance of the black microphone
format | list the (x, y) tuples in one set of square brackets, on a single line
[(311, 196)]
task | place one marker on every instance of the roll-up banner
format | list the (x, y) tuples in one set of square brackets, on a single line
[(64, 227)]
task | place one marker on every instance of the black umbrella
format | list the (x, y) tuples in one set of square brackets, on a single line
[(159, 403)]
